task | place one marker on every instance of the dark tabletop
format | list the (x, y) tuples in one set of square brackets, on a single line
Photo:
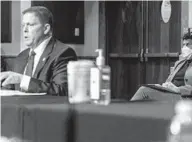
[(52, 118)]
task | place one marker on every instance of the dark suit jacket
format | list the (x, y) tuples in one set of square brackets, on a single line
[(188, 74), (51, 72), (178, 65)]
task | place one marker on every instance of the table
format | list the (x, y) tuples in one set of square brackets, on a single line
[(34, 118), (128, 122), (49, 118)]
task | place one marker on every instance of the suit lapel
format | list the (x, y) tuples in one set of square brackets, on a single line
[(189, 57), (178, 65), (21, 62), (44, 57)]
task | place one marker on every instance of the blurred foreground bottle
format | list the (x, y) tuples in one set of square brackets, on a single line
[(180, 129), (100, 90), (78, 73)]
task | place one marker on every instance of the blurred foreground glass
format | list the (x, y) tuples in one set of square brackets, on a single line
[(79, 80), (180, 129)]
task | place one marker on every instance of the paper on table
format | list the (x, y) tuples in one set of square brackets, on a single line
[(15, 92), (160, 87)]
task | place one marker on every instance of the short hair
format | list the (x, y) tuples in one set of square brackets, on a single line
[(188, 35), (42, 13)]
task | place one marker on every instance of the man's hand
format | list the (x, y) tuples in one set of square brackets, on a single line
[(186, 90), (166, 84), (10, 77), (171, 86)]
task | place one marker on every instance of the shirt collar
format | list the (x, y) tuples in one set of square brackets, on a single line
[(41, 47)]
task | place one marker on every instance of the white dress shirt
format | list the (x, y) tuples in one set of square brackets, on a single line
[(38, 52)]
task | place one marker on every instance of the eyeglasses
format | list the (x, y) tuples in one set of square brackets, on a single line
[(187, 44)]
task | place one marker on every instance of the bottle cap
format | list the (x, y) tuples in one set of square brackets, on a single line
[(80, 65), (100, 60)]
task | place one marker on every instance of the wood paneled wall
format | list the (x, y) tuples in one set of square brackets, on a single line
[(162, 38), (125, 41), (141, 46)]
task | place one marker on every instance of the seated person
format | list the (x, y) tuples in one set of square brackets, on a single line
[(179, 80), (41, 68)]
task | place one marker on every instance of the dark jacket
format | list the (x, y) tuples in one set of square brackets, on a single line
[(188, 75), (51, 73)]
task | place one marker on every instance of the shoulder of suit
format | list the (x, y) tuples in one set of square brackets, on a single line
[(61, 46)]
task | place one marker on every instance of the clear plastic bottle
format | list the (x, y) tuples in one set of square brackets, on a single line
[(79, 80), (180, 129), (100, 87)]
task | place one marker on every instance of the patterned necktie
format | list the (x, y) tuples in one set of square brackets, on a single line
[(29, 68)]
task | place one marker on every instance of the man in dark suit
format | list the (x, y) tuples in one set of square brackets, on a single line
[(42, 68), (178, 84)]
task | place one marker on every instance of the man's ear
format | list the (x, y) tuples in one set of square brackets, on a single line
[(47, 29)]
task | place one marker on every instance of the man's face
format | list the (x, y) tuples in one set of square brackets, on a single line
[(187, 47), (33, 30), (188, 43)]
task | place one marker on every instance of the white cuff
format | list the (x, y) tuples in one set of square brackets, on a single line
[(24, 85)]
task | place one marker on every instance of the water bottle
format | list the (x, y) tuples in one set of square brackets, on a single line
[(100, 87), (180, 129), (78, 73)]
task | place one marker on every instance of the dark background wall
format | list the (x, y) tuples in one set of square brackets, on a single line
[(68, 19), (91, 24), (6, 22)]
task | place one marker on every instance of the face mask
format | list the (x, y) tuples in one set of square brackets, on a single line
[(185, 51)]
